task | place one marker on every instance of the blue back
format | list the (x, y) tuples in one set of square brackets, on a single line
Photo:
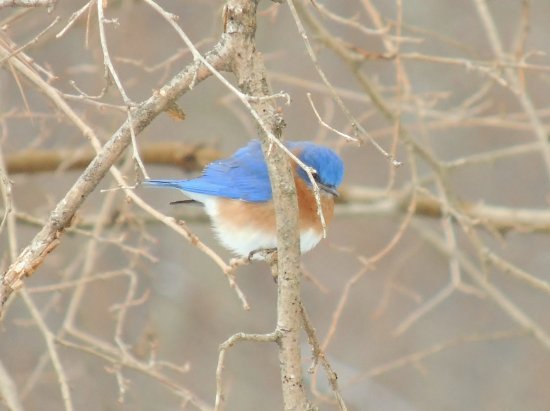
[(244, 175)]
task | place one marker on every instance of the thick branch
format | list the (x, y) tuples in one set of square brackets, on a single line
[(188, 157), (353, 200), (60, 218), (27, 3), (248, 67)]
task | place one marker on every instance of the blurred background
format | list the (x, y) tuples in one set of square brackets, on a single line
[(432, 290)]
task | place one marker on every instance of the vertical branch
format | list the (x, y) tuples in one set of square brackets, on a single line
[(248, 67), (522, 95), (8, 388), (35, 313)]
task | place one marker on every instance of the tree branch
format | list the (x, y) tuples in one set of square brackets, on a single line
[(188, 157), (27, 3), (248, 67), (60, 218), (353, 200)]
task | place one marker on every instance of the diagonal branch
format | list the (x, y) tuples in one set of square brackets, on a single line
[(60, 218)]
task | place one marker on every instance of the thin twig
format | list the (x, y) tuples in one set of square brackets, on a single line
[(74, 17), (416, 357), (224, 347), (129, 103), (52, 350), (522, 95), (32, 41), (479, 278), (246, 100), (319, 356), (8, 390), (48, 238)]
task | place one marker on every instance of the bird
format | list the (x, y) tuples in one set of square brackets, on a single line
[(237, 196)]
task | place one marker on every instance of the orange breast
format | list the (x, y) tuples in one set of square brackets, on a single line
[(308, 206), (234, 214)]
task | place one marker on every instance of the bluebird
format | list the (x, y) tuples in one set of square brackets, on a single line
[(236, 194)]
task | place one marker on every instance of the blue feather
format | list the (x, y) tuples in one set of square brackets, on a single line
[(244, 175)]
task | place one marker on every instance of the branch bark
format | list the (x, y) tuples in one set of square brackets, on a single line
[(249, 68), (236, 52), (60, 218), (188, 157), (27, 3), (353, 200)]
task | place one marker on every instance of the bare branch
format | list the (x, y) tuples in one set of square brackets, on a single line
[(250, 72), (225, 346), (48, 238), (28, 3), (8, 390)]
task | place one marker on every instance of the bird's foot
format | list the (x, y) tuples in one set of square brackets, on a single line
[(266, 254)]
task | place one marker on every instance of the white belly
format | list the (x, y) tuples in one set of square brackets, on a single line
[(245, 239)]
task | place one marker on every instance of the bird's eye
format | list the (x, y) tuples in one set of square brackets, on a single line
[(316, 177)]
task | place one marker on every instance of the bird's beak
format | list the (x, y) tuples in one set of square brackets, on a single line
[(329, 189)]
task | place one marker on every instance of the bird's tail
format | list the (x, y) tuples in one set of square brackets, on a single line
[(162, 183), (170, 184)]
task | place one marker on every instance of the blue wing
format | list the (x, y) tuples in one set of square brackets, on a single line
[(242, 176)]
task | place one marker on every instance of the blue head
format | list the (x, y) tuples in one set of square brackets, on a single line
[(329, 166)]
